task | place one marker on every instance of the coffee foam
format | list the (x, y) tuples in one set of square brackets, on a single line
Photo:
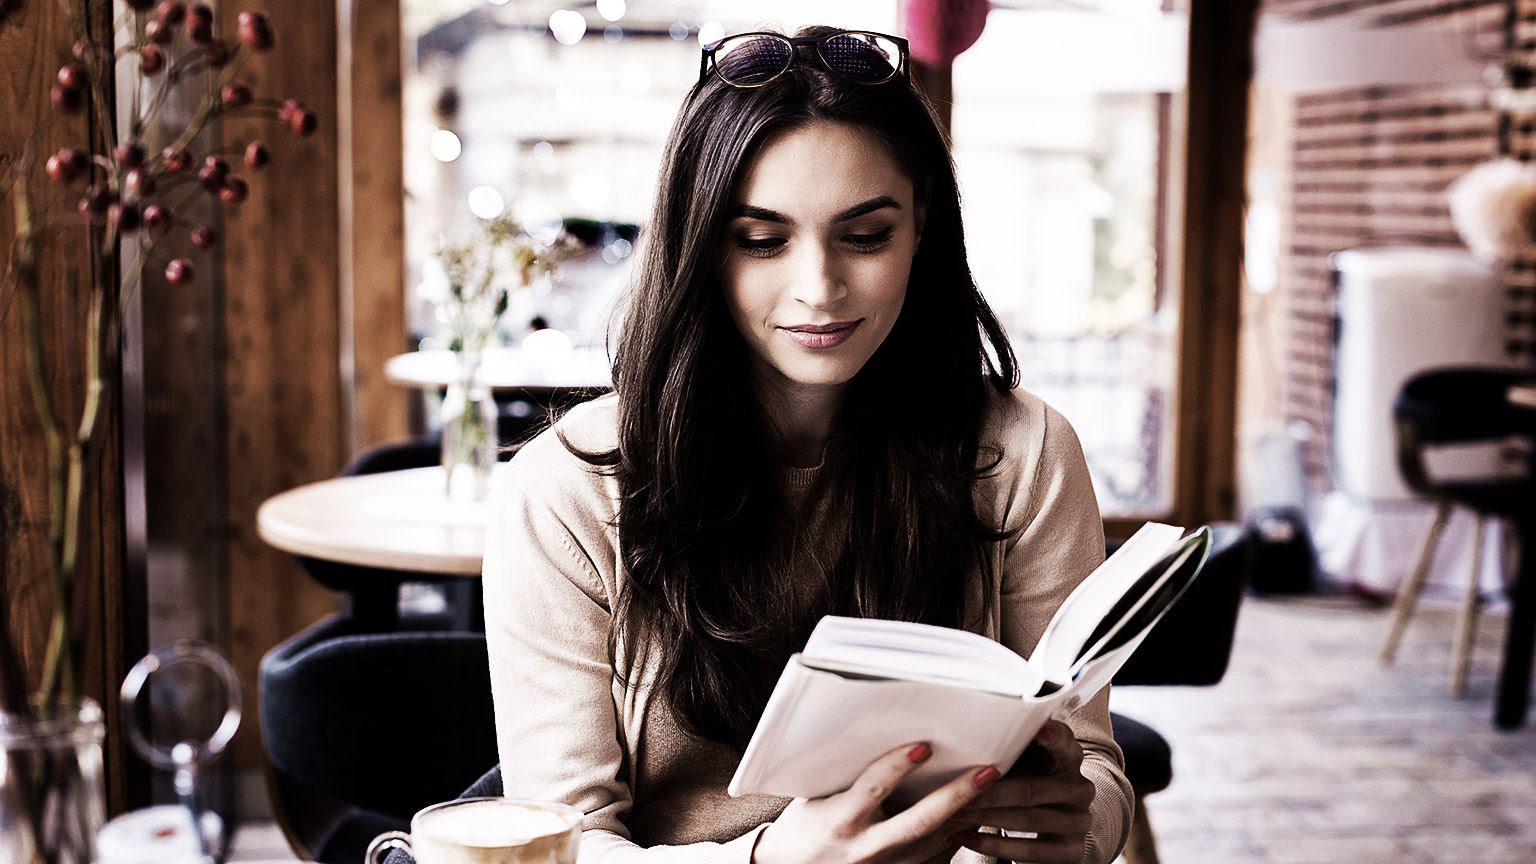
[(491, 824)]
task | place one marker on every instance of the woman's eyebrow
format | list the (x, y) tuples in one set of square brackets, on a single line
[(763, 214), (869, 206)]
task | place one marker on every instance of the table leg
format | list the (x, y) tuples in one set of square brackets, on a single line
[(1514, 695)]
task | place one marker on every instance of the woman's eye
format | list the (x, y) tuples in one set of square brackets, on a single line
[(869, 242), (761, 247)]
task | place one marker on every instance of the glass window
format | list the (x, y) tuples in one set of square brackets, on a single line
[(1061, 126)]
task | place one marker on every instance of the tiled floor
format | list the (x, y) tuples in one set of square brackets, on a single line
[(1310, 753)]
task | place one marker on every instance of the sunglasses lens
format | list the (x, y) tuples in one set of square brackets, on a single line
[(865, 57), (747, 61)]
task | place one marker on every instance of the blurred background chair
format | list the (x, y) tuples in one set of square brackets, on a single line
[(1456, 406), (373, 594), (1190, 646), (364, 729)]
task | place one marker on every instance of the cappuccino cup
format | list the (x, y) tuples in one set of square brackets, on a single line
[(487, 831)]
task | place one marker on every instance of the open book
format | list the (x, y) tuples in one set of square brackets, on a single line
[(862, 687)]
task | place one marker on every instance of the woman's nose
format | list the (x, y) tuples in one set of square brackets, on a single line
[(819, 282)]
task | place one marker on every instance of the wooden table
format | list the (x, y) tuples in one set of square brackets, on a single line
[(399, 520), (507, 369), (373, 532)]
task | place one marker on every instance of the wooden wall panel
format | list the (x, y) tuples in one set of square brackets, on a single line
[(34, 42), (1520, 142), (1370, 168), (1384, 12), (283, 325), (373, 216)]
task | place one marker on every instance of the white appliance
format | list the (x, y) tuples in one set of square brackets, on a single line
[(1402, 310)]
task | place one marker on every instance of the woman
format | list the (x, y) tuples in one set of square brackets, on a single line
[(813, 415)]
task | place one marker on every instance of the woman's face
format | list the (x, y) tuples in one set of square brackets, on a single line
[(818, 249)]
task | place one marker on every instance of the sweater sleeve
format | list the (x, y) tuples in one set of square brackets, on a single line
[(1059, 540), (548, 568)]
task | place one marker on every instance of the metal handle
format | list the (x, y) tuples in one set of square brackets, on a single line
[(385, 842)]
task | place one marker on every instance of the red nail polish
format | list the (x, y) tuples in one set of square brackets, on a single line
[(985, 777), (1047, 734), (919, 754)]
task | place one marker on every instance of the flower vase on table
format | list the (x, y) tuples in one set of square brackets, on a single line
[(52, 795), (469, 432)]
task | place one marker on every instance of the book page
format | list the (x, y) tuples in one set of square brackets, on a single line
[(900, 650), (1086, 606)]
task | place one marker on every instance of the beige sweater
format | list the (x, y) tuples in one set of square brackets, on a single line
[(569, 731)]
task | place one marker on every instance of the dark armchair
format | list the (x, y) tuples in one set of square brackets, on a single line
[(1191, 645), (345, 716)]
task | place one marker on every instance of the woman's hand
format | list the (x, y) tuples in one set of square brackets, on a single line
[(852, 827), (1045, 793)]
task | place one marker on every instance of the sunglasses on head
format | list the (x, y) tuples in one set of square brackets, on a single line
[(754, 59)]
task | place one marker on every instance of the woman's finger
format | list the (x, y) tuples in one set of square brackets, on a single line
[(1057, 790), (1040, 850), (1059, 748), (928, 815), (882, 776), (1039, 820)]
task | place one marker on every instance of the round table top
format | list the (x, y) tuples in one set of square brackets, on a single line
[(402, 520), (506, 369)]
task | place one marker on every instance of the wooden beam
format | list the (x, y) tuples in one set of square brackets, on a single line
[(1221, 37), (283, 325), (373, 215)]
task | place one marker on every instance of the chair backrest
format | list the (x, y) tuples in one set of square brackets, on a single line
[(1463, 403), (1193, 642), (387, 722)]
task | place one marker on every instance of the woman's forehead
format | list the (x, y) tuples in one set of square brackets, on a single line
[(822, 166)]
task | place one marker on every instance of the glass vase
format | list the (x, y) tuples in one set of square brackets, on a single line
[(52, 794), (469, 433)]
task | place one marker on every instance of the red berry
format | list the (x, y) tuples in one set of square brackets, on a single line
[(67, 99), (200, 23), (159, 32), (257, 155), (151, 59), (90, 52), (98, 197), (179, 271), (125, 216), (235, 190), (140, 183), (175, 159), (216, 53), (171, 12), (236, 92), (256, 31), (204, 237), (129, 155), (298, 116), (72, 75), (65, 165), (157, 218), (213, 172)]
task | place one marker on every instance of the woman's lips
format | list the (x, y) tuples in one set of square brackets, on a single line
[(822, 335)]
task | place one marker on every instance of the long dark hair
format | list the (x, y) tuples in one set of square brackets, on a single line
[(704, 532)]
